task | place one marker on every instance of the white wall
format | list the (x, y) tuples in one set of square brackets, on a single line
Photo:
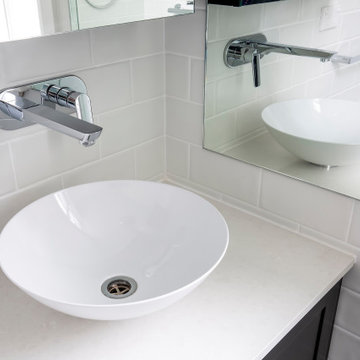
[(300, 207), (122, 67)]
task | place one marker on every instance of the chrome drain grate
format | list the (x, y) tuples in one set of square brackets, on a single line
[(119, 287)]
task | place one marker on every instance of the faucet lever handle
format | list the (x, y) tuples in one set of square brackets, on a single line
[(255, 61), (66, 97)]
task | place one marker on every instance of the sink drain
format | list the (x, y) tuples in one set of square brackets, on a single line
[(119, 287)]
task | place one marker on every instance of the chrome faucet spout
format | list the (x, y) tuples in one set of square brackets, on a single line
[(31, 112), (250, 49), (52, 103), (267, 48)]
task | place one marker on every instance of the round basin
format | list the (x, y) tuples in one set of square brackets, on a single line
[(320, 131), (113, 250)]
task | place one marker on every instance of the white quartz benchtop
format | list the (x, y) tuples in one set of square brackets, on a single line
[(267, 281)]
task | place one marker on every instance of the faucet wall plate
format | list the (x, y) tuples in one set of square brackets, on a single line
[(34, 93), (237, 52)]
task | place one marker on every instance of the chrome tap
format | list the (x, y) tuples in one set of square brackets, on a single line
[(51, 104), (250, 49)]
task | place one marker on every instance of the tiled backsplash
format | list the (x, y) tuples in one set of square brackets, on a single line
[(128, 69), (123, 68), (300, 207)]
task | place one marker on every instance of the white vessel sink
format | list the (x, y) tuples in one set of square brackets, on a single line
[(321, 131), (66, 249)]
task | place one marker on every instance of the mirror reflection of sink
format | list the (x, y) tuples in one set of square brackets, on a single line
[(321, 131), (113, 250)]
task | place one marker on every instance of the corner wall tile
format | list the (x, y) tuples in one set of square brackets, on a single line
[(344, 346), (346, 317), (197, 81), (148, 77), (150, 159), (306, 204), (354, 235), (186, 34), (177, 76), (229, 176), (177, 155), (184, 120)]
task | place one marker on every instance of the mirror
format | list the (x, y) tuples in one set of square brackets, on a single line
[(233, 120), (22, 19)]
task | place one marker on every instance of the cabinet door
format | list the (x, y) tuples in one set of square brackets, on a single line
[(310, 338)]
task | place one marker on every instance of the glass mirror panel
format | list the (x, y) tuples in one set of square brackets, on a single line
[(235, 99), (22, 19)]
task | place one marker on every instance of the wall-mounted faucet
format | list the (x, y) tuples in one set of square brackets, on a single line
[(251, 48), (51, 103)]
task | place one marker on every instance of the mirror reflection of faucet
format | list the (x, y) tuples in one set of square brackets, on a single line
[(251, 48), (51, 103)]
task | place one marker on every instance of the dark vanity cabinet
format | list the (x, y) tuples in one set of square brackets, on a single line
[(239, 2), (310, 338)]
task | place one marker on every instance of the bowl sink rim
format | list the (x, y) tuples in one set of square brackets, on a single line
[(118, 302), (268, 122)]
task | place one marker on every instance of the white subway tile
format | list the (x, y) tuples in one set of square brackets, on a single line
[(215, 66), (305, 69), (238, 21), (348, 5), (220, 130), (197, 81), (320, 87), (354, 235), (184, 120), (177, 156), (344, 346), (177, 76), (235, 91), (39, 57), (7, 178), (114, 167), (351, 25), (306, 204), (131, 126), (186, 34), (348, 314), (210, 99), (117, 91), (352, 278), (276, 76), (148, 77), (326, 37), (311, 9), (150, 159), (346, 77), (298, 34), (46, 154), (119, 42), (12, 203), (248, 116), (212, 14), (220, 173), (282, 13)]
